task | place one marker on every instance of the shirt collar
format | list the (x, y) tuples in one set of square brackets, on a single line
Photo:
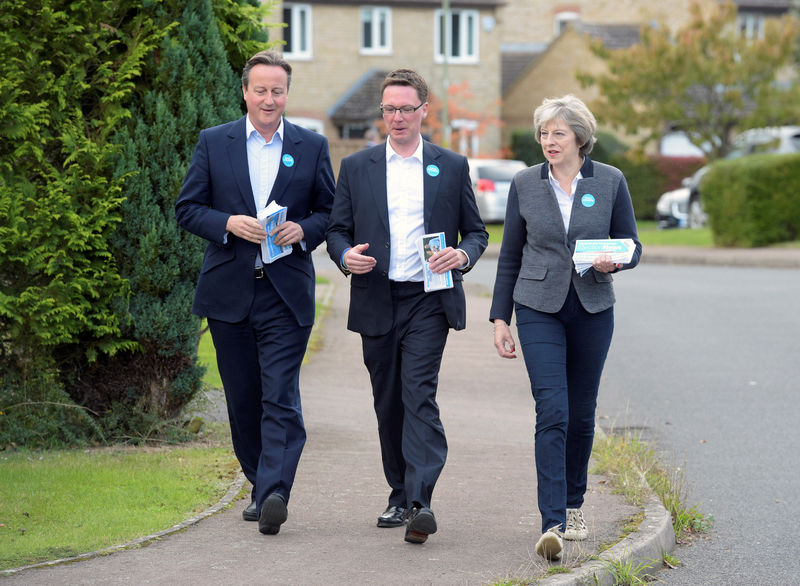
[(390, 152), (553, 179), (250, 129)]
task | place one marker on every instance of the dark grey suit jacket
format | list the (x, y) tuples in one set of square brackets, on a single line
[(361, 214), (535, 266)]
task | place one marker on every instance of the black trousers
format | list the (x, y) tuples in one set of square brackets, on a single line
[(259, 362), (404, 370)]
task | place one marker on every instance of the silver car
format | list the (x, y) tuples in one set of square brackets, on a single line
[(491, 180)]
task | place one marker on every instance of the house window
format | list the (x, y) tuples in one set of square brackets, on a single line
[(562, 21), (751, 25), (376, 30), (297, 33), (457, 36)]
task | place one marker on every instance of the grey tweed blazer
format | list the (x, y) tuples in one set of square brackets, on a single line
[(535, 266)]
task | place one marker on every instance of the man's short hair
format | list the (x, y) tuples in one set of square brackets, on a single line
[(407, 77), (267, 58)]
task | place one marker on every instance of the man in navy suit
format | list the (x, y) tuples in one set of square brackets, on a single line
[(260, 314), (387, 197)]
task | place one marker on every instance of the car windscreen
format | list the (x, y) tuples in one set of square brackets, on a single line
[(498, 172)]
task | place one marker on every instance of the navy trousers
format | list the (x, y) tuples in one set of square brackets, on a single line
[(259, 362), (564, 354), (404, 370)]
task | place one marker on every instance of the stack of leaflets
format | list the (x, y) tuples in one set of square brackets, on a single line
[(620, 251), (428, 245), (269, 217)]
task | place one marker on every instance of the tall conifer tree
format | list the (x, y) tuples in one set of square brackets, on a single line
[(192, 87)]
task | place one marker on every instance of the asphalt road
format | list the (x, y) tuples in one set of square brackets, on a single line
[(704, 363), (706, 359)]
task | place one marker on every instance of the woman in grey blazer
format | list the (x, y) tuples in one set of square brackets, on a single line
[(564, 320)]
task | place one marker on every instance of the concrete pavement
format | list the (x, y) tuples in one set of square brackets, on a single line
[(485, 501)]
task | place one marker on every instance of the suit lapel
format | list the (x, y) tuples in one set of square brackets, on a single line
[(376, 176), (290, 158), (431, 181), (237, 155)]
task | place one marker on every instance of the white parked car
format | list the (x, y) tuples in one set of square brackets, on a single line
[(683, 207), (491, 180)]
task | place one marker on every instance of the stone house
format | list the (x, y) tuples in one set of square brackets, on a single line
[(340, 50), (499, 58)]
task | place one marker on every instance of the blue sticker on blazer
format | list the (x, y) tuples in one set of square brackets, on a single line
[(587, 200), (432, 170), (288, 160)]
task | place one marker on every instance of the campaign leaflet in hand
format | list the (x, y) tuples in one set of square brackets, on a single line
[(269, 217), (428, 245), (620, 250)]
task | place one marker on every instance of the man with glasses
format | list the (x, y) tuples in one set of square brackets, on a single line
[(387, 197)]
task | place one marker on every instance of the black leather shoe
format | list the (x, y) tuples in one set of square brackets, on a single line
[(250, 512), (393, 516), (420, 523), (273, 514)]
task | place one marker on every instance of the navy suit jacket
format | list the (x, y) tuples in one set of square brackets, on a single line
[(361, 214), (217, 185), (535, 266)]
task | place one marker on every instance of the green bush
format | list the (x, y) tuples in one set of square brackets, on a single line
[(100, 107), (753, 201), (525, 148)]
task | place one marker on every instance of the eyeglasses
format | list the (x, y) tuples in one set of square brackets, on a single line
[(404, 110)]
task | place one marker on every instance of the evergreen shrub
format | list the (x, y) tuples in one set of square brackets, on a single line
[(753, 201)]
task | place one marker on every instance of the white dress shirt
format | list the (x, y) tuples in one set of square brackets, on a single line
[(564, 199), (405, 198), (263, 160)]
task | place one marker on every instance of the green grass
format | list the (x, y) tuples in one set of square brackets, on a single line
[(207, 356), (62, 503), (495, 233), (630, 573), (649, 235), (635, 472)]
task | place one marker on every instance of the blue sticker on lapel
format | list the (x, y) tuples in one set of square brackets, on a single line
[(288, 160), (587, 200), (432, 170)]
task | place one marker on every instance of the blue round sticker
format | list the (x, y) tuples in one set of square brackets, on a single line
[(587, 200), (288, 160), (432, 170)]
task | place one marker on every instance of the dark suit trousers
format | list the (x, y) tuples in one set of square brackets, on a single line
[(404, 370), (259, 362), (564, 355)]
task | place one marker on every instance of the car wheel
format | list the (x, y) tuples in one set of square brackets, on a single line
[(697, 215)]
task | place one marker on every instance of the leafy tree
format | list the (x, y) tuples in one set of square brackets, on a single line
[(94, 274), (707, 80), (66, 73), (191, 86)]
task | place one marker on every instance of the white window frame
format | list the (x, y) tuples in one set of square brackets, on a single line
[(751, 25), (375, 16), (562, 19), (468, 21), (300, 32), (312, 124)]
